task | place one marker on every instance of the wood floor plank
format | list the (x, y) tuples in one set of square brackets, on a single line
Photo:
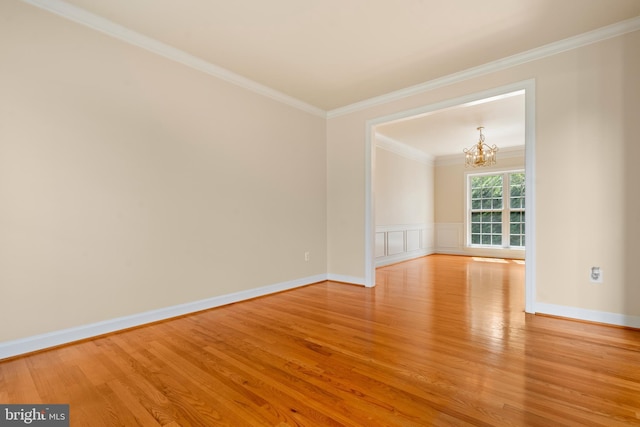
[(440, 341), (18, 384)]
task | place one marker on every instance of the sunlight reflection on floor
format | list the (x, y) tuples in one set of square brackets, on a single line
[(498, 260)]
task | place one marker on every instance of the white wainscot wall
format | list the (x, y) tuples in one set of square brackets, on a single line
[(396, 243), (450, 239)]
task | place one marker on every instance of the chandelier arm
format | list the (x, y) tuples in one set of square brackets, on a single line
[(480, 154)]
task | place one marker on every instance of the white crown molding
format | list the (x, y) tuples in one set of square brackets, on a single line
[(112, 29), (402, 149), (551, 49)]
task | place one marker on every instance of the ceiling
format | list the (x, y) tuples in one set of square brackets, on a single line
[(330, 54), (449, 131)]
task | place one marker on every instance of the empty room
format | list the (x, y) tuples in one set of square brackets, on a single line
[(319, 213)]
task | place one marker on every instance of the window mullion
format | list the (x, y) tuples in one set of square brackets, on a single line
[(506, 210)]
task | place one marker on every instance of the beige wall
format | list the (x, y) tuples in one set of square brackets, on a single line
[(130, 183), (404, 190), (587, 109)]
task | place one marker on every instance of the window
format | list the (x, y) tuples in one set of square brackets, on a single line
[(496, 209)]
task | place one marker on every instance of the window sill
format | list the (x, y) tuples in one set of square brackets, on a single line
[(497, 248)]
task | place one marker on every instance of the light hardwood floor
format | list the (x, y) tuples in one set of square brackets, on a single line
[(441, 340)]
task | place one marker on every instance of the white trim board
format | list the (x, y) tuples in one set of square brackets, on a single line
[(588, 315), (66, 336), (405, 256), (352, 280)]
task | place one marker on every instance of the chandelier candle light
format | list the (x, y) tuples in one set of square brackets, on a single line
[(480, 154)]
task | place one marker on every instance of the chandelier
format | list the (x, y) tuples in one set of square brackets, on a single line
[(480, 154)]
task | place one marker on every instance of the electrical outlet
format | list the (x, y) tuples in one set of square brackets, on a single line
[(306, 256), (595, 275)]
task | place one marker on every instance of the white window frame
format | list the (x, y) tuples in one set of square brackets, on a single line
[(506, 208)]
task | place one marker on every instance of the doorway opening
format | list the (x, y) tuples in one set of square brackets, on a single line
[(528, 88)]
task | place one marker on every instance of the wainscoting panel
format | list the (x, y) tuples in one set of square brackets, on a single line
[(414, 241), (450, 239), (395, 243), (381, 244)]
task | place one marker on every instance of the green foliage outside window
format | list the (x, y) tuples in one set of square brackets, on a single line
[(489, 213)]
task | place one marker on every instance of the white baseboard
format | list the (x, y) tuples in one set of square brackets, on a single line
[(65, 336), (588, 315), (406, 256), (346, 279)]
